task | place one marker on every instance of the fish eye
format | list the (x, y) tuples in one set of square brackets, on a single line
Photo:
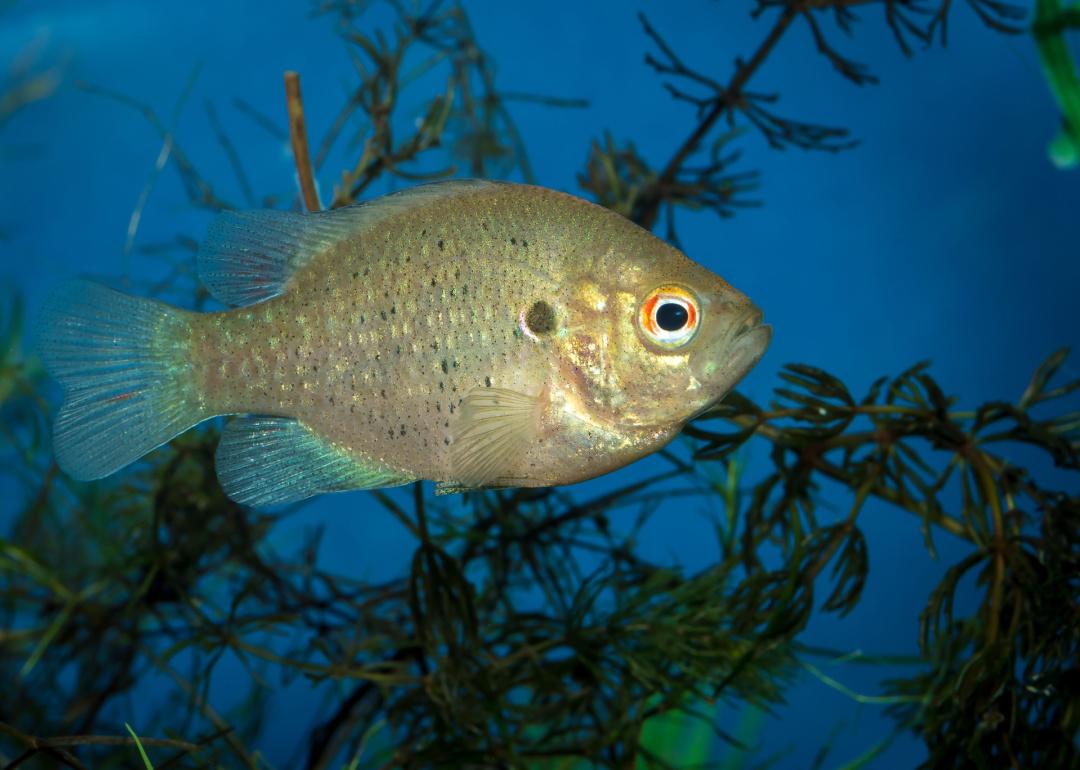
[(669, 316)]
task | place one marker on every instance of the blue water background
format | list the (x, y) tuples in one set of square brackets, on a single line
[(945, 235)]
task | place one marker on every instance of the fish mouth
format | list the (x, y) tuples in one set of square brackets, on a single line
[(727, 360), (749, 322), (750, 343)]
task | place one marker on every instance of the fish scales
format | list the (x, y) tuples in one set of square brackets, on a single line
[(377, 340), (470, 333)]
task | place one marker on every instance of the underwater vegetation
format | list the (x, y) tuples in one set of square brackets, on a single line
[(26, 80), (529, 629), (1052, 20)]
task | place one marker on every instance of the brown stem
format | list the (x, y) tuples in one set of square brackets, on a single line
[(861, 494), (298, 135), (246, 757), (418, 502), (836, 472), (56, 745), (727, 100), (997, 585)]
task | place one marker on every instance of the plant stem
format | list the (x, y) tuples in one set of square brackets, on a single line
[(723, 103), (298, 136)]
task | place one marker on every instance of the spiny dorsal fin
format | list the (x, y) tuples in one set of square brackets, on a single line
[(272, 460), (250, 256), (493, 430)]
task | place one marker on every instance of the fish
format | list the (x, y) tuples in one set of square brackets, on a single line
[(471, 333)]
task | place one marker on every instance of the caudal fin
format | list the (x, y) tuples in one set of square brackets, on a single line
[(125, 366)]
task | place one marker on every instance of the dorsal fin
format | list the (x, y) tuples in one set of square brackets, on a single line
[(250, 256)]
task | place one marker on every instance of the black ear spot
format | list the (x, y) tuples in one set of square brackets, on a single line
[(541, 318)]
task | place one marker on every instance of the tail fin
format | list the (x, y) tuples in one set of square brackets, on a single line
[(125, 366)]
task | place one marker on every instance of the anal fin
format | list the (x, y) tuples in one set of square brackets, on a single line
[(265, 461)]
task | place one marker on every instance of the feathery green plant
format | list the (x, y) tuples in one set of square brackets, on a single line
[(1052, 20)]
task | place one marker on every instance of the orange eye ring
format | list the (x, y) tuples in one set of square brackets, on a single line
[(670, 316)]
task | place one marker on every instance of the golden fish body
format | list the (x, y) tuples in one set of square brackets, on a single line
[(471, 333)]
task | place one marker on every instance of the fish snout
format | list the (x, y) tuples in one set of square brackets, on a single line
[(733, 350), (749, 321)]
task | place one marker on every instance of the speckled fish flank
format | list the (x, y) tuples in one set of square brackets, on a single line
[(471, 333)]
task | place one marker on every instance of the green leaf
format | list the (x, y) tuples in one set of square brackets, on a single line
[(138, 744), (1036, 391)]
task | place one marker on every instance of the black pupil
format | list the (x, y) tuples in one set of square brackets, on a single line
[(671, 316)]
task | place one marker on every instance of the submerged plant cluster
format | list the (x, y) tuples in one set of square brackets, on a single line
[(529, 630)]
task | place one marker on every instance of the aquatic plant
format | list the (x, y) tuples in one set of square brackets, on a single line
[(529, 630), (29, 77), (1052, 20), (27, 80)]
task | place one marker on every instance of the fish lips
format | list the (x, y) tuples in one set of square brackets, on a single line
[(720, 364)]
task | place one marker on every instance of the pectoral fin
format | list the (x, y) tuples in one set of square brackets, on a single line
[(494, 429)]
